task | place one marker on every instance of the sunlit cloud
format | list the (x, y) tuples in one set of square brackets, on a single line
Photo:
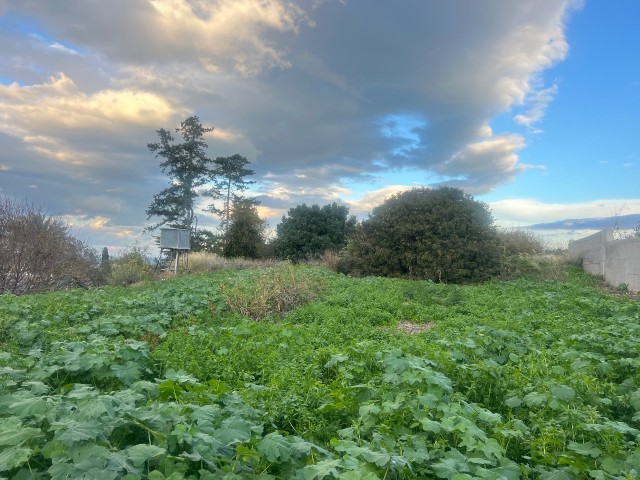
[(367, 202)]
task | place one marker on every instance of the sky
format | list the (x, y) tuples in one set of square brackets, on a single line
[(531, 106)]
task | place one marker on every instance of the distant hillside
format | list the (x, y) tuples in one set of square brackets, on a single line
[(623, 222)]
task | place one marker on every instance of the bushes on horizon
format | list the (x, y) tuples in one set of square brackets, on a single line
[(440, 234), (131, 266), (307, 232)]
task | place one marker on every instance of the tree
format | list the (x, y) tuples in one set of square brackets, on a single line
[(105, 264), (245, 231), (203, 240), (306, 232), (38, 253), (230, 173), (438, 234), (188, 167)]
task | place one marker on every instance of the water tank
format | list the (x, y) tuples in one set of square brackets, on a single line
[(175, 238)]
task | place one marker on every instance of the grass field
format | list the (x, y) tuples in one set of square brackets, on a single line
[(298, 372)]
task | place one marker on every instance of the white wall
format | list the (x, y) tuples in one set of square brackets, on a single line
[(617, 260)]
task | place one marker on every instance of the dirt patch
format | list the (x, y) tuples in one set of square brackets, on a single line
[(413, 328)]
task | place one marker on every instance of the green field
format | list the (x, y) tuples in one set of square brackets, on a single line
[(519, 379)]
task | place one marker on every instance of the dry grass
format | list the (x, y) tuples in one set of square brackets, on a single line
[(520, 241), (413, 328), (203, 262), (272, 292)]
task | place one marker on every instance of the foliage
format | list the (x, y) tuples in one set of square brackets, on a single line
[(203, 240), (272, 292), (245, 230), (230, 177), (105, 265), (131, 266), (38, 253), (187, 167), (438, 234), (519, 242), (519, 379), (307, 232)]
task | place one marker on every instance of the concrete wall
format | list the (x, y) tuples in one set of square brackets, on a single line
[(617, 260)]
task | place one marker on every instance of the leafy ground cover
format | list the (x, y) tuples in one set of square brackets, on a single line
[(518, 379)]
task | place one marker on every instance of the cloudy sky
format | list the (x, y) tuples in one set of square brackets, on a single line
[(532, 106)]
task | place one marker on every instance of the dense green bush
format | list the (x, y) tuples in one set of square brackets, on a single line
[(438, 234), (245, 231), (307, 232)]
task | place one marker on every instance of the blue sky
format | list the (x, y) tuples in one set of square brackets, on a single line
[(531, 106), (590, 144)]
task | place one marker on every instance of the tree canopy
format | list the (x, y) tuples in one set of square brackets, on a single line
[(187, 166), (245, 231), (440, 234), (230, 176), (306, 232)]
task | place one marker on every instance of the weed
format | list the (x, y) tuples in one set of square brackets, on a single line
[(271, 292)]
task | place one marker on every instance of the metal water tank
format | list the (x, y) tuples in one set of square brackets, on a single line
[(175, 238)]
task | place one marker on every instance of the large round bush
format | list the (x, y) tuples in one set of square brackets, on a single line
[(441, 234)]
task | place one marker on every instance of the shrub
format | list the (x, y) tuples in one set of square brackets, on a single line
[(438, 234), (38, 253), (520, 241), (271, 292), (307, 232), (131, 266)]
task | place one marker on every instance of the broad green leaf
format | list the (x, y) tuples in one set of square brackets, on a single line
[(18, 435), (321, 470), (29, 406), (556, 475), (233, 430), (14, 457), (138, 454), (358, 475), (380, 459), (71, 432), (535, 399), (587, 449), (274, 447), (563, 392), (335, 359), (513, 402)]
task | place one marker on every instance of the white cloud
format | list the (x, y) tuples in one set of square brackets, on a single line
[(537, 103), (523, 211), (373, 198)]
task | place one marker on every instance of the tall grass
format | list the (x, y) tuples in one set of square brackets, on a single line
[(273, 291), (203, 262)]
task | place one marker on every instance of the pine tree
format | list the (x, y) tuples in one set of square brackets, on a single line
[(188, 167)]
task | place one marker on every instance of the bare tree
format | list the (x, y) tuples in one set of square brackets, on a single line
[(38, 252)]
